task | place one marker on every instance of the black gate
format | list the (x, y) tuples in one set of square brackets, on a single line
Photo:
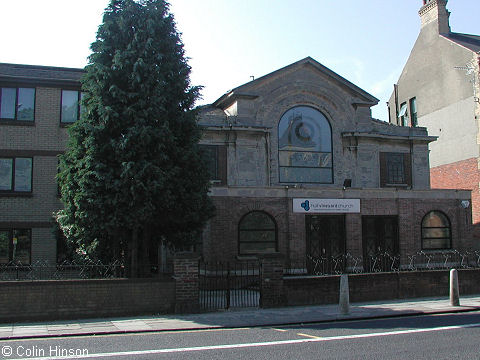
[(380, 243), (230, 284), (325, 236)]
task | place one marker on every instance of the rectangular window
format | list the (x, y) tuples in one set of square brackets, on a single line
[(16, 174), (402, 115), (395, 169), (17, 104), (71, 106), (15, 245), (413, 111), (216, 161)]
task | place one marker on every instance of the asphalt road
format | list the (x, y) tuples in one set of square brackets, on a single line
[(448, 336)]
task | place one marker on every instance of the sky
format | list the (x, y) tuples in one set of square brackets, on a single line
[(228, 41)]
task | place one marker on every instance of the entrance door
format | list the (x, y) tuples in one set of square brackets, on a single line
[(325, 235), (380, 242)]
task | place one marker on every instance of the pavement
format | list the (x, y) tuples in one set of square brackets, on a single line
[(235, 318)]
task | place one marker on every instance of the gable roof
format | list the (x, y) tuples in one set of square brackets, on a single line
[(242, 91), (468, 41)]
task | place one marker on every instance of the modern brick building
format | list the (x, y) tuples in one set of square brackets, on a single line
[(439, 88), (298, 167), (36, 105)]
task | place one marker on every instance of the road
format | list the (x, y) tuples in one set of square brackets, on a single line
[(447, 336)]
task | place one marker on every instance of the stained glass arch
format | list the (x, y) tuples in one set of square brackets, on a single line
[(305, 146)]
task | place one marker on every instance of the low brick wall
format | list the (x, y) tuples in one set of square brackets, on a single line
[(70, 299), (378, 286)]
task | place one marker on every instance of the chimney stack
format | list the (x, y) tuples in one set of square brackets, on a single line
[(435, 12)]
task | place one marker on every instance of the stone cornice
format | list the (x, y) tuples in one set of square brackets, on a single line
[(391, 137)]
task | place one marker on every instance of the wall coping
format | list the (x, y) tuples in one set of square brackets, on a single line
[(290, 191), (163, 279)]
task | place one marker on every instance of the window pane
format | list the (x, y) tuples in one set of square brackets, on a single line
[(436, 233), (395, 169), (307, 159), (6, 168), (413, 105), (256, 248), (7, 107), (257, 233), (306, 175), (304, 128), (26, 104), (4, 245), (305, 141), (69, 106), (435, 219), (436, 243), (23, 174), (257, 236), (21, 246), (257, 220), (211, 160)]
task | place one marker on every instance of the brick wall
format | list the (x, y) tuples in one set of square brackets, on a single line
[(460, 175), (70, 299), (221, 239), (380, 286)]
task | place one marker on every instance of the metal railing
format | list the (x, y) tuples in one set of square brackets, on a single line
[(44, 270), (383, 262)]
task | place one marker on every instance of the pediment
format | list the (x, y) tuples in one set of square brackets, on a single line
[(304, 71)]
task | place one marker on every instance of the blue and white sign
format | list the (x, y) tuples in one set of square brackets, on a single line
[(326, 205)]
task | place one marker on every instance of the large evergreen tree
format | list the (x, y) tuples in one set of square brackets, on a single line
[(133, 175)]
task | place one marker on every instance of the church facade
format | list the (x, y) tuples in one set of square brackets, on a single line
[(300, 167)]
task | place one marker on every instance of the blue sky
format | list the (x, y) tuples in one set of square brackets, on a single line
[(227, 41)]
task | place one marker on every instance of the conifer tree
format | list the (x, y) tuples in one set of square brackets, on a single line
[(133, 174)]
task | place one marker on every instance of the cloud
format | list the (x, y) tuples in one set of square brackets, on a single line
[(384, 86)]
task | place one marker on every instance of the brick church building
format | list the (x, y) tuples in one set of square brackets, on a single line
[(301, 168), (298, 167)]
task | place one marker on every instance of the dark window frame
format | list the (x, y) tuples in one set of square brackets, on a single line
[(220, 176), (79, 106), (413, 111), (387, 178), (395, 168), (403, 119), (12, 189), (279, 151), (11, 244), (275, 230), (15, 119), (449, 227)]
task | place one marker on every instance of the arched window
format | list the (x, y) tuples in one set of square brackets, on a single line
[(257, 234), (436, 231), (305, 147)]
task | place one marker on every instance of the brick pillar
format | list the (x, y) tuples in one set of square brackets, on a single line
[(272, 293), (185, 270)]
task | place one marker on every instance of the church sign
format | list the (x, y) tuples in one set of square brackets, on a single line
[(326, 205)]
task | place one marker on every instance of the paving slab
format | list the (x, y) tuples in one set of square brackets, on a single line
[(236, 318)]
